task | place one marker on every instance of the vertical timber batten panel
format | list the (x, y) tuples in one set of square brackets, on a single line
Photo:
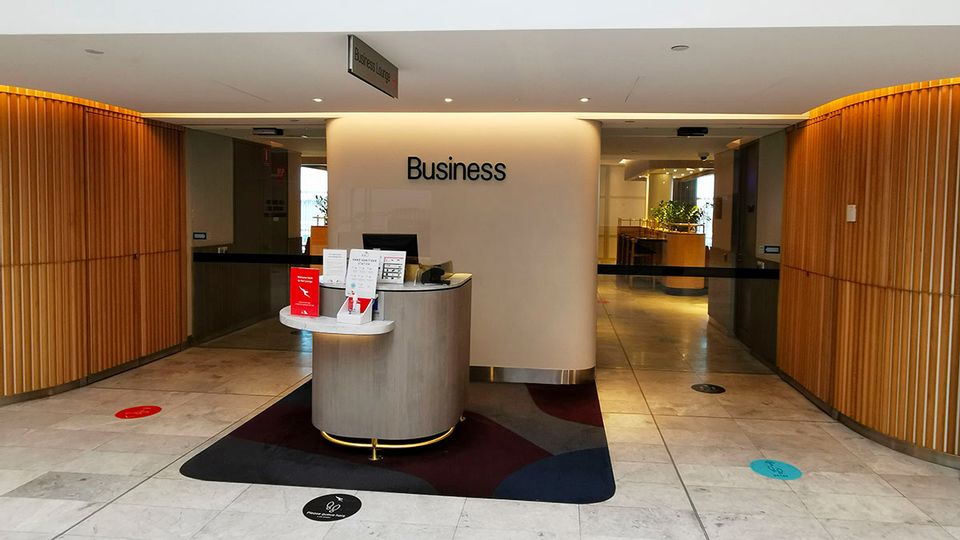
[(78, 209), (869, 313)]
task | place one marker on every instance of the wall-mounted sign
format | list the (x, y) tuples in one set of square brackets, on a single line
[(199, 235), (370, 67), (418, 169), (771, 249)]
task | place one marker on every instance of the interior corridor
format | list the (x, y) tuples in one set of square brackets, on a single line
[(70, 469)]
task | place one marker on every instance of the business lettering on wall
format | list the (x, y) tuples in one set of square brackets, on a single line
[(418, 169)]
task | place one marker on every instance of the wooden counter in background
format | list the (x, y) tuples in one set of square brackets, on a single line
[(684, 249)]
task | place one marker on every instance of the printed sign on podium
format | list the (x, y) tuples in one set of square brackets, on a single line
[(361, 286), (305, 292)]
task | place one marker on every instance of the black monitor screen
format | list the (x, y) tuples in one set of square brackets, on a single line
[(393, 242)]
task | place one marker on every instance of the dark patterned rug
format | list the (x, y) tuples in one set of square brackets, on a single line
[(530, 442)]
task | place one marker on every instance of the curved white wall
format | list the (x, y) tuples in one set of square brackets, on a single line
[(530, 240)]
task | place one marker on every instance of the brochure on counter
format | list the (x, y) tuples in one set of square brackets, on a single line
[(359, 270)]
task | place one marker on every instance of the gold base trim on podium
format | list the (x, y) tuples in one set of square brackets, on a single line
[(375, 444)]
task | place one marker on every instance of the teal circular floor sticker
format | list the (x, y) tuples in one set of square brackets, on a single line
[(775, 469)]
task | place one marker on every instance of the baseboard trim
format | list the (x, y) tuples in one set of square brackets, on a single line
[(531, 375)]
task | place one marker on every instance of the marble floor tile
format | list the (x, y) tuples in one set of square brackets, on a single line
[(632, 405), (885, 461), (413, 509), (863, 508), (184, 494), (350, 529), (605, 522), (674, 406), (502, 514), (76, 487), (278, 499), (812, 461), (11, 418), (943, 511), (191, 426), (118, 463), (649, 495), (953, 531), (760, 411), (464, 533), (12, 478), (119, 520), (19, 514), (59, 438), (263, 526), (97, 422), (653, 473), (849, 483), (714, 455), (646, 453), (721, 526), (36, 459), (727, 476), (174, 445), (925, 486), (728, 500), (12, 535), (870, 530), (703, 437)]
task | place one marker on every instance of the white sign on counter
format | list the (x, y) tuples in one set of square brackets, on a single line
[(363, 273), (334, 265), (391, 270)]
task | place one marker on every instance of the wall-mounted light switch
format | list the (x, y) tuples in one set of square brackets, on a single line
[(851, 213)]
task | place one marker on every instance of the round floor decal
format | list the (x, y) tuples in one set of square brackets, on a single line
[(775, 469), (137, 412), (709, 388), (332, 507)]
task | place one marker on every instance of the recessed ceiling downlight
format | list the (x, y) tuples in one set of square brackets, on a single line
[(447, 99), (678, 48), (317, 99), (93, 51), (584, 99)]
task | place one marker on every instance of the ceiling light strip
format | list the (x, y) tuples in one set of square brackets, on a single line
[(791, 118)]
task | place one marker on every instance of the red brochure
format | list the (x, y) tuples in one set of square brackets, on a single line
[(305, 292)]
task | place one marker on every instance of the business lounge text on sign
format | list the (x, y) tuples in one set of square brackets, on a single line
[(417, 169)]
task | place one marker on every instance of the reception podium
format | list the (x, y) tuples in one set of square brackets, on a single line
[(399, 381)]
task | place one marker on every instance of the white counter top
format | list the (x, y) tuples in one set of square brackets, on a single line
[(330, 325), (456, 280)]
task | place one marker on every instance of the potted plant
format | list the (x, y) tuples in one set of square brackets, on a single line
[(678, 216)]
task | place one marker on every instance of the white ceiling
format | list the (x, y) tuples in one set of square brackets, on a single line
[(626, 73), (213, 16), (772, 70)]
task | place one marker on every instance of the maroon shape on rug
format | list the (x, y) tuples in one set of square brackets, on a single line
[(572, 402), (493, 451)]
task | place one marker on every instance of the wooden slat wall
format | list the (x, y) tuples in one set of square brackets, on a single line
[(868, 311), (91, 239)]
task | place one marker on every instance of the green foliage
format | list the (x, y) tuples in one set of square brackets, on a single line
[(673, 215)]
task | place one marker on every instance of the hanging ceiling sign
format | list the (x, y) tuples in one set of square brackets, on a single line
[(370, 67)]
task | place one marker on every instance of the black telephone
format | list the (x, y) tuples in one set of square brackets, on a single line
[(433, 275)]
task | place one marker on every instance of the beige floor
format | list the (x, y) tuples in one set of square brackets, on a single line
[(69, 469)]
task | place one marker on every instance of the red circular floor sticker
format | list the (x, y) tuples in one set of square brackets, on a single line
[(138, 412)]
